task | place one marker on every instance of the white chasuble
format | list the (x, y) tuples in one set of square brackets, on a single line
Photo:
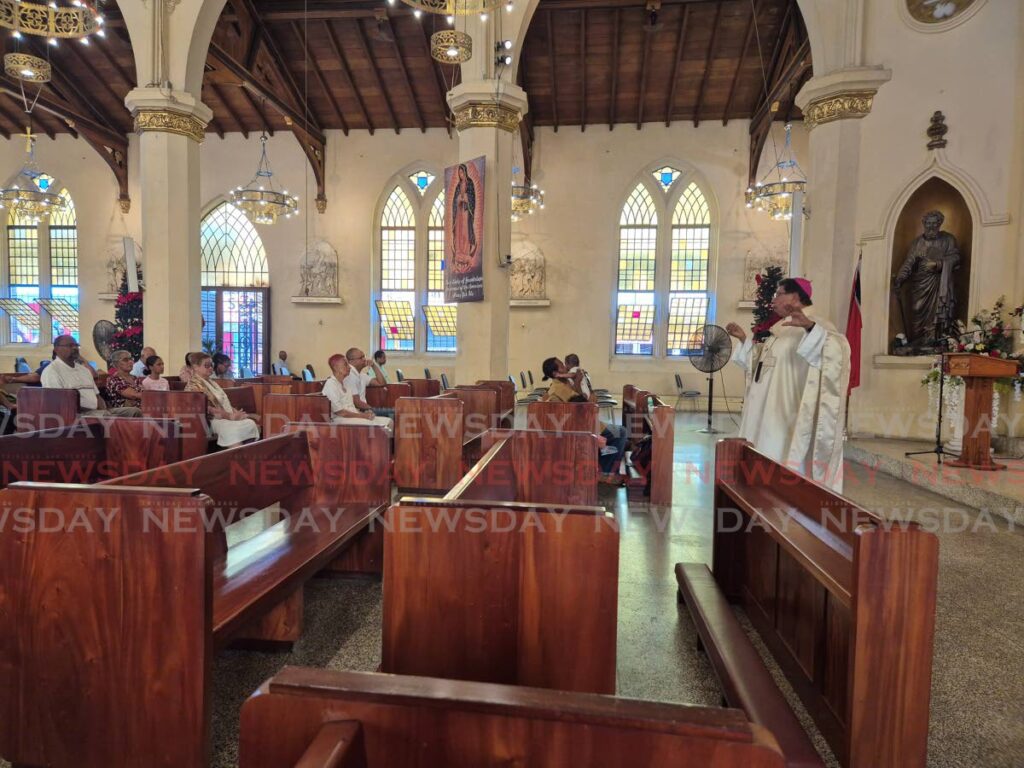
[(795, 403)]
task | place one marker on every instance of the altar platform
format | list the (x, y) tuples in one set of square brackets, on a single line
[(1000, 493)]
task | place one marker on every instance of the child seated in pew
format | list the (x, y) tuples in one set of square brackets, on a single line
[(231, 426), (343, 407), (153, 370)]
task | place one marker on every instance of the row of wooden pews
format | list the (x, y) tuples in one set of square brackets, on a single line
[(116, 595), (644, 414)]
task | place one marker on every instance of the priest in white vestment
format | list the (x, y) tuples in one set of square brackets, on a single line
[(797, 382)]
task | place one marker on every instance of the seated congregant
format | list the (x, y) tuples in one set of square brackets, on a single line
[(565, 388), (222, 366), (364, 374), (280, 368), (140, 364), (572, 362), (230, 425), (380, 360), (69, 371), (154, 371), (344, 408), (122, 390)]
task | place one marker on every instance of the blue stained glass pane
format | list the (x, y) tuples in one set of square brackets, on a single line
[(421, 182), (442, 265), (666, 178), (43, 183)]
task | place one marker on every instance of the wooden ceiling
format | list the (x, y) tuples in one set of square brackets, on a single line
[(363, 64)]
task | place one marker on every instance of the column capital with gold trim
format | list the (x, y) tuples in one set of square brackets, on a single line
[(156, 109), (844, 94), (488, 104)]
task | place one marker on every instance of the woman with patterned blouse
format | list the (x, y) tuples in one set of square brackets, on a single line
[(122, 390)]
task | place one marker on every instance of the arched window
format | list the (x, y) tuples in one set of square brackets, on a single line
[(411, 277), (664, 291), (40, 274), (235, 292)]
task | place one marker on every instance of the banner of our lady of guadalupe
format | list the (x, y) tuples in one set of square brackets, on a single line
[(464, 232)]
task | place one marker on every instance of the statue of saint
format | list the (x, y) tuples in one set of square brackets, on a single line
[(929, 266)]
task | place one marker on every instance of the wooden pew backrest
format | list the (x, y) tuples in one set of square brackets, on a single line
[(506, 390), (189, 409), (424, 387), (843, 599), (243, 399), (428, 442), (532, 591), (562, 417), (279, 410), (424, 722), (387, 396), (480, 408), (41, 408)]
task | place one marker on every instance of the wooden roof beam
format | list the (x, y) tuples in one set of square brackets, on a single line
[(552, 68), (364, 44), (235, 118), (438, 79), (670, 102), (404, 70), (68, 89), (616, 44), (751, 23), (257, 109), (583, 69), (318, 73), (102, 43), (707, 65), (63, 112), (347, 74), (643, 81)]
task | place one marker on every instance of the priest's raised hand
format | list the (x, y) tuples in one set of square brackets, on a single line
[(734, 330), (797, 319)]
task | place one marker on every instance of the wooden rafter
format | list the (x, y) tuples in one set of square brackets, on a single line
[(404, 70), (442, 87), (101, 45), (216, 127), (551, 67), (257, 109), (79, 88), (319, 75), (707, 65), (616, 44), (793, 71), (670, 102), (643, 81), (235, 117), (347, 74), (63, 111), (583, 68), (65, 88), (364, 44), (747, 38)]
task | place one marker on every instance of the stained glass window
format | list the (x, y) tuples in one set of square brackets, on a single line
[(234, 300), (435, 277), (63, 231), (398, 261), (666, 176), (638, 247), (422, 181), (233, 253), (688, 296), (23, 278), (687, 314)]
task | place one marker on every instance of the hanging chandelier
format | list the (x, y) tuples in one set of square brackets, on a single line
[(260, 200), (27, 68), (527, 199), (76, 21), (449, 46), (456, 7), (773, 194), (29, 193)]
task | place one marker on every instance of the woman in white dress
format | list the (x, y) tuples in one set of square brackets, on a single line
[(230, 425), (343, 407)]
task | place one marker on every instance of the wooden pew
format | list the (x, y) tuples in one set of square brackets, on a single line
[(244, 399), (562, 417), (306, 717), (499, 582), (506, 399), (643, 413), (279, 410), (40, 408), (424, 387), (387, 396), (428, 443), (89, 450), (189, 409), (108, 627), (844, 600)]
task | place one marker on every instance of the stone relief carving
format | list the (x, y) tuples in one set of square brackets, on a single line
[(318, 273), (755, 264), (116, 264), (528, 273)]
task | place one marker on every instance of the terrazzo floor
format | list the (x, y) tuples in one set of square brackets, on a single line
[(977, 707)]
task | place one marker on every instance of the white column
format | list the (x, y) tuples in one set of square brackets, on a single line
[(170, 128), (833, 106), (488, 123)]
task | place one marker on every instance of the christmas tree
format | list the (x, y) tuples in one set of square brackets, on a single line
[(128, 319), (764, 316)]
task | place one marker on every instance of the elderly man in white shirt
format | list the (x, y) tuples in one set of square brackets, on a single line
[(364, 374), (68, 371), (139, 368), (344, 409)]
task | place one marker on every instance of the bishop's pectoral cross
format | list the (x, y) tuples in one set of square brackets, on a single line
[(765, 360)]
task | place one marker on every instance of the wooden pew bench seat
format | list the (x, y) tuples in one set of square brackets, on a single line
[(745, 681), (256, 574)]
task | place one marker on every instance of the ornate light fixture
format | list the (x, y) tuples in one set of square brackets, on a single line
[(260, 200), (76, 21), (455, 7), (526, 200), (449, 46), (29, 194), (27, 68), (773, 194)]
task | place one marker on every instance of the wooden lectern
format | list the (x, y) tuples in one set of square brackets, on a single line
[(978, 373)]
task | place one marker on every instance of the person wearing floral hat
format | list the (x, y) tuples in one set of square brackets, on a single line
[(797, 378)]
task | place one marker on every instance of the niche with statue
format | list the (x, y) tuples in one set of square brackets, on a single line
[(930, 269)]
